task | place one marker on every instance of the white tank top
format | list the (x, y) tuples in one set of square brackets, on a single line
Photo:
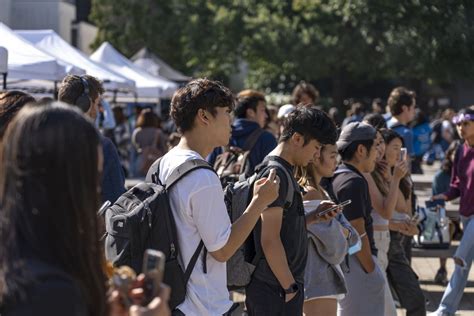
[(377, 219)]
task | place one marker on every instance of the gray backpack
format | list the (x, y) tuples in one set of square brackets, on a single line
[(238, 195)]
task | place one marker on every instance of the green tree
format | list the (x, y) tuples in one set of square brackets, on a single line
[(284, 41)]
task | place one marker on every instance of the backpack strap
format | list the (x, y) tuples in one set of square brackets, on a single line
[(192, 262), (342, 170), (252, 139), (155, 176), (289, 178), (177, 174), (185, 168)]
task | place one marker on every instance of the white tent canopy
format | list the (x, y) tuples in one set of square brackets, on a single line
[(53, 44), (156, 66), (147, 86), (25, 61)]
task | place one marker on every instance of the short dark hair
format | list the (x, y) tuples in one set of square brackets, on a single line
[(148, 118), (72, 88), (348, 153), (10, 103), (376, 120), (310, 122), (399, 97), (357, 108), (305, 88), (198, 94), (247, 99), (420, 118)]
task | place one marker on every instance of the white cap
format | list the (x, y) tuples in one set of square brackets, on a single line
[(285, 110)]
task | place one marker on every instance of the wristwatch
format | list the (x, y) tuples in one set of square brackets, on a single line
[(292, 289)]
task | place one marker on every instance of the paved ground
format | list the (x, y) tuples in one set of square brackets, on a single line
[(426, 267)]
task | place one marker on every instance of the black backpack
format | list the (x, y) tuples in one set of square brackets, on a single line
[(142, 219), (237, 197), (233, 164)]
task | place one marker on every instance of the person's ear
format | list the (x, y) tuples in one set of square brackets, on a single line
[(203, 116), (250, 113), (361, 151), (297, 139)]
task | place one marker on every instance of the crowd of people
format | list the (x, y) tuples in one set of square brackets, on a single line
[(329, 215)]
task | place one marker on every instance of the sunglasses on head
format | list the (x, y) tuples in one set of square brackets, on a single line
[(458, 119)]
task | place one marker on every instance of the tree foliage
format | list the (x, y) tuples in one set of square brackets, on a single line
[(284, 41)]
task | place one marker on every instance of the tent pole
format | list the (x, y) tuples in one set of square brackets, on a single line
[(55, 93), (5, 81)]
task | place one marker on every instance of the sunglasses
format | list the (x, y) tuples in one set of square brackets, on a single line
[(458, 119)]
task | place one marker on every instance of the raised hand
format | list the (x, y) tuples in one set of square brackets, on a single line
[(265, 190)]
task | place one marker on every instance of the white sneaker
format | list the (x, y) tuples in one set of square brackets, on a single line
[(439, 314)]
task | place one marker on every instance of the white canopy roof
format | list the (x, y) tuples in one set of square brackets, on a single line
[(147, 85), (25, 61), (156, 66), (53, 44)]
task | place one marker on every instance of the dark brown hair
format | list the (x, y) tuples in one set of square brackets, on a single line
[(311, 123), (247, 99), (198, 94), (399, 97), (148, 118), (10, 103), (72, 88), (305, 88), (405, 184)]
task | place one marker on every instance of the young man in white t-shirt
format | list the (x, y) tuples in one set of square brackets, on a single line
[(201, 111)]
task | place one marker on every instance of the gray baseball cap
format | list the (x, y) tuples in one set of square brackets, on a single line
[(353, 132)]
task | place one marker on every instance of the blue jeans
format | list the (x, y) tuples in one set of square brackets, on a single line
[(453, 294)]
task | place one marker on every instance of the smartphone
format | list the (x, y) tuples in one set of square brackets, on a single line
[(153, 269), (403, 154), (433, 204), (335, 207)]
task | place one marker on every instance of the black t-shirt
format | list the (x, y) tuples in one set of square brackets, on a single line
[(293, 228), (351, 185)]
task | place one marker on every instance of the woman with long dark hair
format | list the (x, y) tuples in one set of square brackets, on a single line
[(51, 261), (399, 272), (384, 189), (48, 199)]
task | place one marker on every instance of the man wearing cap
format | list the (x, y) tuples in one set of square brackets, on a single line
[(364, 279)]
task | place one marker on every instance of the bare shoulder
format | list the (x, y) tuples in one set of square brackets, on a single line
[(312, 194)]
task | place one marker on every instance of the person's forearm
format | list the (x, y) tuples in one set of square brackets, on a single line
[(452, 193), (241, 228), (276, 258), (365, 255)]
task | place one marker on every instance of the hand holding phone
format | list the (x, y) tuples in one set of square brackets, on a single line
[(335, 207), (319, 213), (153, 269), (403, 154)]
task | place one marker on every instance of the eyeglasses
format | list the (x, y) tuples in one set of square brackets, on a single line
[(458, 119)]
